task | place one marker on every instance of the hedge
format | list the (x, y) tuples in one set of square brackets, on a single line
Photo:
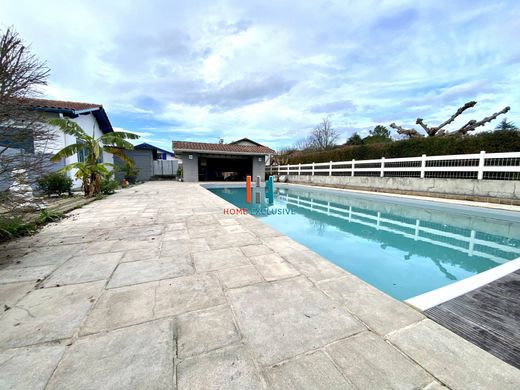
[(491, 142)]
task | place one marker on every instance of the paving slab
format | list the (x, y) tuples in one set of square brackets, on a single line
[(37, 257), (379, 311), (120, 307), (256, 250), (232, 240), (219, 259), (140, 254), (183, 247), (229, 368), (13, 275), (47, 314), (143, 271), (188, 293), (205, 330), (28, 368), (240, 276), (273, 267), (11, 293), (313, 266), (136, 357), (85, 268), (371, 363), (453, 360), (288, 317), (313, 372)]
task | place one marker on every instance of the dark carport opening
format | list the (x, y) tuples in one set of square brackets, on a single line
[(232, 168)]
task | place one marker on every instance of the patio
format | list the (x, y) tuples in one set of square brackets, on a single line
[(155, 287)]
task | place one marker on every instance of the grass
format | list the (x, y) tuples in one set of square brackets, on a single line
[(18, 226)]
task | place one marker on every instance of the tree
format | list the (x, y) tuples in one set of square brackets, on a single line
[(91, 171), (506, 125), (355, 139), (439, 130), (378, 135), (324, 136), (23, 132)]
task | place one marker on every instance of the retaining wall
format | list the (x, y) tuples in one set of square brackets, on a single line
[(501, 189)]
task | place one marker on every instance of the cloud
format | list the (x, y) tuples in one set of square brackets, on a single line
[(271, 71)]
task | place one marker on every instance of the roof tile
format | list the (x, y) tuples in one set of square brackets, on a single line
[(208, 147)]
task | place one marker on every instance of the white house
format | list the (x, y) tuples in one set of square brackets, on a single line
[(91, 117)]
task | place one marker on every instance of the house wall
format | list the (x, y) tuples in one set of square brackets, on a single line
[(190, 168), (258, 167), (89, 124), (142, 159)]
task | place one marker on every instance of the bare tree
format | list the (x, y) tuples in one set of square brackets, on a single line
[(23, 133), (439, 130), (324, 136)]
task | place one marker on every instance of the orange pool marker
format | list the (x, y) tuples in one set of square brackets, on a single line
[(248, 189)]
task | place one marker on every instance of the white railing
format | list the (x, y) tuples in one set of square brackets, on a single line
[(469, 244), (502, 166)]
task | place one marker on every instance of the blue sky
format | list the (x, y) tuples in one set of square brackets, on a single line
[(205, 70)]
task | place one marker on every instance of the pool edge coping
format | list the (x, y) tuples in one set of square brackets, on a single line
[(446, 293)]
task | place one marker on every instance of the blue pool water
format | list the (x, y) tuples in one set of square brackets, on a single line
[(402, 247)]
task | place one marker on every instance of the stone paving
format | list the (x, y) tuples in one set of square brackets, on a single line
[(156, 288)]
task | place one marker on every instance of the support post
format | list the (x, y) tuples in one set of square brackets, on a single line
[(382, 167), (481, 163), (312, 169), (330, 168), (299, 169), (353, 166), (423, 166)]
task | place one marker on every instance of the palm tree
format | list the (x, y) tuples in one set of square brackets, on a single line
[(91, 171)]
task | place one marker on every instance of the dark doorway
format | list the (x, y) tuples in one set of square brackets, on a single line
[(233, 168)]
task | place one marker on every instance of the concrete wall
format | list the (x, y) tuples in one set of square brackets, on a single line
[(190, 168), (506, 189), (259, 167)]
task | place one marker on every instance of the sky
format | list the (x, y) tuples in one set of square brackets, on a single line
[(271, 71)]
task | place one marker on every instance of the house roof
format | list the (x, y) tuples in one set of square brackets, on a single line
[(245, 140), (146, 145), (72, 109), (182, 146)]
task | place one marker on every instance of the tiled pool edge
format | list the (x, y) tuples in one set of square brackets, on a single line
[(443, 294)]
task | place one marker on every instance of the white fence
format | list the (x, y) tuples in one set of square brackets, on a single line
[(498, 166), (165, 168)]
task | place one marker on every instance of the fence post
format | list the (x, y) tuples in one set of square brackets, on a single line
[(382, 167), (312, 169), (330, 169), (353, 165), (423, 166), (278, 170), (481, 162)]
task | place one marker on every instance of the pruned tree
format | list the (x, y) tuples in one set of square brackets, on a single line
[(23, 133), (324, 136), (440, 130)]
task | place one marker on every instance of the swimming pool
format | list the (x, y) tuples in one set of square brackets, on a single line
[(403, 247)]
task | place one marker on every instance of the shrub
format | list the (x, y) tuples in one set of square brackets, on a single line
[(130, 173), (11, 227), (178, 175), (491, 142), (55, 183), (49, 216), (109, 186)]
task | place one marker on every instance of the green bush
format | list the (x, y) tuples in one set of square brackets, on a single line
[(130, 172), (178, 175), (109, 186), (48, 216), (11, 227), (55, 183), (491, 142)]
